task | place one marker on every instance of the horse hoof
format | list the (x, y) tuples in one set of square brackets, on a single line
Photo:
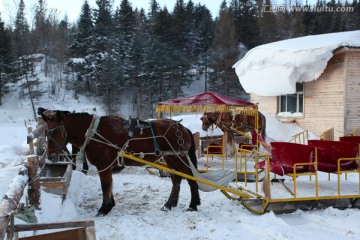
[(190, 209), (117, 169), (165, 209), (100, 214)]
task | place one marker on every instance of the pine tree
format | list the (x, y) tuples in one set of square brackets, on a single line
[(225, 54), (84, 32), (109, 86), (179, 28), (5, 59), (103, 24), (353, 18), (203, 36), (21, 32), (308, 21), (244, 15), (101, 46), (40, 35), (125, 33), (268, 25)]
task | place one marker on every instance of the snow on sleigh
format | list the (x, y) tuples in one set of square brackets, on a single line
[(298, 176)]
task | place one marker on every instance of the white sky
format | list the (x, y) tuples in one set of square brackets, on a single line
[(73, 7)]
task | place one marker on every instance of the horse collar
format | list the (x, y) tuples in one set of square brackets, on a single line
[(94, 124)]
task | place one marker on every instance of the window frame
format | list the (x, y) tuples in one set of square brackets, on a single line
[(299, 98)]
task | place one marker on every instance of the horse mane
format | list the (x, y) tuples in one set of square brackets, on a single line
[(263, 119)]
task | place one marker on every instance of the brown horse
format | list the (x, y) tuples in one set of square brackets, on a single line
[(164, 138), (57, 144), (225, 121)]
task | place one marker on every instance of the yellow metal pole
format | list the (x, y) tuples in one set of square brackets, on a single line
[(184, 175)]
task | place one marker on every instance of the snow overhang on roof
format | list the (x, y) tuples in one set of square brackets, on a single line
[(273, 69)]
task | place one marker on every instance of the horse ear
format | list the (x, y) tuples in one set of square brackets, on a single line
[(40, 111)]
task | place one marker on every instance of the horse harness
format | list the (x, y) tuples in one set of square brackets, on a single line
[(50, 132), (233, 123), (131, 126), (136, 125)]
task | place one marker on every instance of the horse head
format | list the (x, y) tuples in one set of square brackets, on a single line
[(209, 119), (55, 134)]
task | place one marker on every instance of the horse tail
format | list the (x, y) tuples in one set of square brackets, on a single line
[(263, 125), (192, 150)]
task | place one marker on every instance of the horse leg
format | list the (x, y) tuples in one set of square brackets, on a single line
[(195, 196), (174, 195), (106, 187), (85, 167), (231, 142)]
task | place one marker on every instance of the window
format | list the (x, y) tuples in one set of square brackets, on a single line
[(293, 102)]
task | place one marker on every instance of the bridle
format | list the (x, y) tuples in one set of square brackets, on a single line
[(205, 120), (49, 137), (219, 122)]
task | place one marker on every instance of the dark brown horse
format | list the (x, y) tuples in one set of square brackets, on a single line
[(225, 121), (57, 144), (162, 138)]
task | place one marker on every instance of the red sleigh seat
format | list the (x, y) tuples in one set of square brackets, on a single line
[(330, 154), (291, 158), (355, 139)]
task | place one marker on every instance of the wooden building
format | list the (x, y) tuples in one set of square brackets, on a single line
[(330, 101)]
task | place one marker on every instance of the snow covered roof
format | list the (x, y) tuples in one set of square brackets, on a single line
[(273, 69)]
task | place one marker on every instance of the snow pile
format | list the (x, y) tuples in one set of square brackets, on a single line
[(273, 69), (281, 132)]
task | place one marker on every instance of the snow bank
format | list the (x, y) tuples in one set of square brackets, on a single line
[(281, 132), (273, 69)]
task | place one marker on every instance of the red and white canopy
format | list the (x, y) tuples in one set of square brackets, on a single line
[(206, 102)]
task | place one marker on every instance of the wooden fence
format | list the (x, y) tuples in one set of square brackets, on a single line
[(28, 176)]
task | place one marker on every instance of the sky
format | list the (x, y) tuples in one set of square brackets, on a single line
[(73, 7)]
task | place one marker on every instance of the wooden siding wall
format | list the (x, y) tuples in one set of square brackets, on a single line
[(324, 99), (266, 104), (352, 110), (331, 101)]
